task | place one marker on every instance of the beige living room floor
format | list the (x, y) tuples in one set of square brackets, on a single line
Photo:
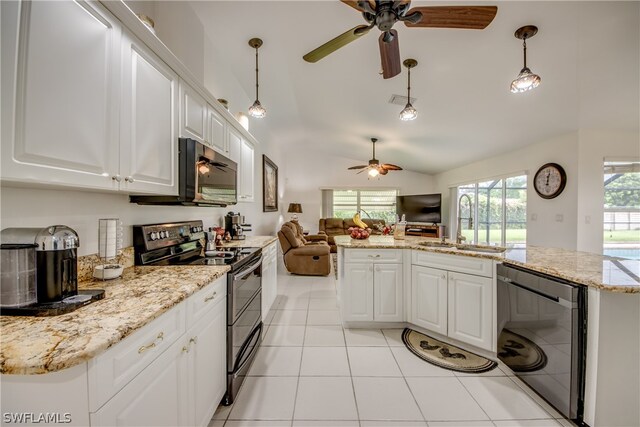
[(310, 371)]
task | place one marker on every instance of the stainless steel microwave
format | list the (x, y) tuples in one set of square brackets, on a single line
[(205, 178)]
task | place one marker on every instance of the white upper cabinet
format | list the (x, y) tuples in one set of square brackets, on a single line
[(193, 114), (246, 172), (216, 131), (149, 128), (63, 115), (234, 141)]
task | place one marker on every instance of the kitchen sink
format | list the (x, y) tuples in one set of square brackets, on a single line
[(483, 249), (437, 244)]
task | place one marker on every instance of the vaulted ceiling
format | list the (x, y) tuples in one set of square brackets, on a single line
[(587, 54)]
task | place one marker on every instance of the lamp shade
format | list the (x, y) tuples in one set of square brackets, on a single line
[(295, 208)]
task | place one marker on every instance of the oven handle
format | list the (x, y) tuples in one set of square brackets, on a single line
[(557, 300), (244, 348), (245, 273)]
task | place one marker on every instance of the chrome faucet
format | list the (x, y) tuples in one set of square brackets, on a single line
[(459, 237)]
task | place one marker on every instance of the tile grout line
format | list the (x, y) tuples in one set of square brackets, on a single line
[(353, 386), (304, 338), (473, 397)]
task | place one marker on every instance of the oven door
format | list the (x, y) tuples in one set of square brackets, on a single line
[(239, 334), (243, 285)]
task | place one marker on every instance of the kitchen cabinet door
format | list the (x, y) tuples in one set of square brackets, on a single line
[(216, 131), (157, 396), (387, 293), (149, 122), (269, 279), (429, 298), (246, 172), (206, 347), (470, 309), (60, 94), (193, 114), (234, 140), (357, 292)]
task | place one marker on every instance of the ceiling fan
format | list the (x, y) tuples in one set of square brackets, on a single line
[(374, 167), (385, 13)]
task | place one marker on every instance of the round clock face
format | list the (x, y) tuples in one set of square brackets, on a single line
[(550, 180)]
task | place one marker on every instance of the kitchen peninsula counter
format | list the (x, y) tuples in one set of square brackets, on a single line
[(598, 271), (38, 345)]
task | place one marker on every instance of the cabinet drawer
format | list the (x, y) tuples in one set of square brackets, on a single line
[(462, 264), (112, 370), (200, 303), (373, 255)]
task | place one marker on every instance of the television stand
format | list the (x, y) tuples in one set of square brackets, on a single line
[(422, 230)]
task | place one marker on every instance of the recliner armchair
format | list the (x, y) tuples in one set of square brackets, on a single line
[(304, 255)]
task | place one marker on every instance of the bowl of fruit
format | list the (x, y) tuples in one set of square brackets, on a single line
[(359, 233)]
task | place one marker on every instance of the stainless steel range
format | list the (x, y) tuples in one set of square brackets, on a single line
[(182, 243)]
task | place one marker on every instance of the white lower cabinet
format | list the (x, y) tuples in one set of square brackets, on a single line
[(206, 347), (269, 278), (453, 304), (372, 291), (185, 383), (470, 309), (157, 396), (429, 298)]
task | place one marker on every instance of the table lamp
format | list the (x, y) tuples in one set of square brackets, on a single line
[(295, 209)]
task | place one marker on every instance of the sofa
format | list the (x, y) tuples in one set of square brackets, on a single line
[(304, 255), (331, 227)]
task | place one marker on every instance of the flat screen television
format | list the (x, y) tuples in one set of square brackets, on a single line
[(422, 208)]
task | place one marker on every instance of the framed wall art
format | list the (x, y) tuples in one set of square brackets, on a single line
[(269, 185)]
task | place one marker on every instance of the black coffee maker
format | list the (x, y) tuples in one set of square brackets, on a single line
[(56, 259)]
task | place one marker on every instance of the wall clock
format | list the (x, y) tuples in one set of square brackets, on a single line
[(550, 180)]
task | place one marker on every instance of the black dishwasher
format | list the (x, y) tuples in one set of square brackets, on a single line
[(542, 327)]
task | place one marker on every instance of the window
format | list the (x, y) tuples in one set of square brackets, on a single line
[(379, 204), (622, 209), (494, 212)]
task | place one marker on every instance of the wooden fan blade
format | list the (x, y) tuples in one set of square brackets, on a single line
[(382, 171), (363, 170), (390, 55), (389, 166), (357, 167), (354, 4), (336, 43), (466, 17)]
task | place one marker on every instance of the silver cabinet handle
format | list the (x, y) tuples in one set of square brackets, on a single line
[(212, 296), (444, 277), (129, 179), (144, 348), (187, 347), (116, 178), (193, 340)]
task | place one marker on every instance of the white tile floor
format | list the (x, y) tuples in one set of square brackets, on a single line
[(311, 372)]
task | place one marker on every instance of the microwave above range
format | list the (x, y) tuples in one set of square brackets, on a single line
[(205, 178)]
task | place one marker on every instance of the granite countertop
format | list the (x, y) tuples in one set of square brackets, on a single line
[(37, 345), (594, 270)]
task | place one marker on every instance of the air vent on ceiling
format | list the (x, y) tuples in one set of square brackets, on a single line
[(401, 100)]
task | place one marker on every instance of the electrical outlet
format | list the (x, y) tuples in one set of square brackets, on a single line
[(559, 217)]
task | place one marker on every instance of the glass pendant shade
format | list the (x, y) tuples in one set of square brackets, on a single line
[(408, 113), (525, 81), (257, 110), (373, 172)]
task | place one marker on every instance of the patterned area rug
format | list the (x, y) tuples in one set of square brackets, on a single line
[(520, 353), (445, 355)]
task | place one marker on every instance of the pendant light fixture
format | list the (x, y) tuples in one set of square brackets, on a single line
[(526, 80), (408, 112), (256, 110)]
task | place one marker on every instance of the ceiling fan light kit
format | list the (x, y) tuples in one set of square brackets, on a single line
[(526, 80), (374, 168), (256, 110), (409, 112)]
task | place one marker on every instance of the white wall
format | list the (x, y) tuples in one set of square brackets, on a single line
[(546, 229), (308, 171)]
